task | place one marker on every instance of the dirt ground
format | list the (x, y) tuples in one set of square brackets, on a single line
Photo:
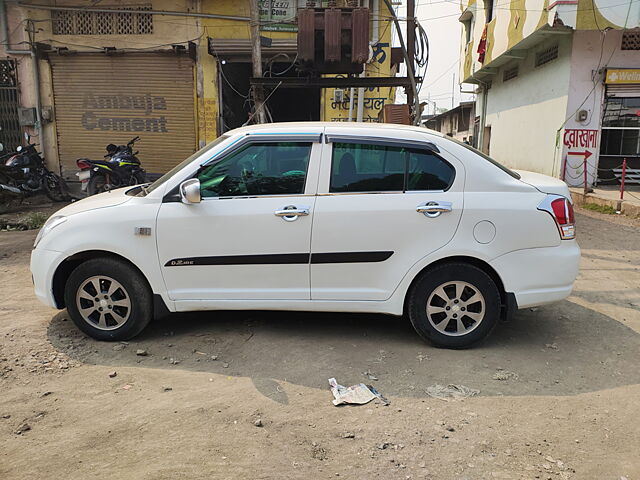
[(559, 388)]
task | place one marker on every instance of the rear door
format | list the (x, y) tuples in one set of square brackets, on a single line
[(382, 206)]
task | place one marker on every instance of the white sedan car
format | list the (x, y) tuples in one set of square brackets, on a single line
[(316, 217)]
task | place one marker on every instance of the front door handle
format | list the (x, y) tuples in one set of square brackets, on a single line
[(434, 209), (292, 212)]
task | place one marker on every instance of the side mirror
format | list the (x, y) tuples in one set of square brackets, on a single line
[(1, 147), (190, 191)]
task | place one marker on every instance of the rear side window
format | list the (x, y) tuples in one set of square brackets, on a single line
[(258, 169), (383, 168), (427, 171), (485, 157)]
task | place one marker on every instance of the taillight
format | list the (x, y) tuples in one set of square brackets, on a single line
[(561, 210), (82, 165)]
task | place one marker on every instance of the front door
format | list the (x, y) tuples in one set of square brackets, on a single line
[(249, 236), (376, 216)]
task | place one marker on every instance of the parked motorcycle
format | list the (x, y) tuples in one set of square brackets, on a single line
[(24, 172), (120, 169), (10, 194)]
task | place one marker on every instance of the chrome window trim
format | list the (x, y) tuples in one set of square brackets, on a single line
[(410, 192), (361, 193), (243, 197)]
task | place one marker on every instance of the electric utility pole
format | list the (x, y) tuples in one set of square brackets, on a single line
[(411, 48), (256, 60)]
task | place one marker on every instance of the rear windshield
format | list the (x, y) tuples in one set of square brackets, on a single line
[(486, 157)]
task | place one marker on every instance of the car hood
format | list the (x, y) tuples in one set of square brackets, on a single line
[(544, 183), (102, 200)]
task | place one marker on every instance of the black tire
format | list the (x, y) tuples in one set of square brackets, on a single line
[(55, 187), (135, 287), (140, 177), (448, 334), (97, 183)]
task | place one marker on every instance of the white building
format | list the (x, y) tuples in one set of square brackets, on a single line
[(558, 82)]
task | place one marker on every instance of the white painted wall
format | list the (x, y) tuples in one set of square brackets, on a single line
[(586, 90), (525, 113)]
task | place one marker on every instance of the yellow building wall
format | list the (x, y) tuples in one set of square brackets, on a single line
[(168, 30)]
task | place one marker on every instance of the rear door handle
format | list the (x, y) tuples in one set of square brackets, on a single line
[(292, 212), (434, 209)]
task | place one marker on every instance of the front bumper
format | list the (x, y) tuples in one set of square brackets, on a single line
[(43, 266), (538, 276)]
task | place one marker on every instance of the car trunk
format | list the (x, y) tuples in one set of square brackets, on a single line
[(544, 183)]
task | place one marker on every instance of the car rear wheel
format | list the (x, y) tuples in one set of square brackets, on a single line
[(108, 299), (454, 305)]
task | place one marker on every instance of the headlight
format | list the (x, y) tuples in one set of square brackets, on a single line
[(52, 223)]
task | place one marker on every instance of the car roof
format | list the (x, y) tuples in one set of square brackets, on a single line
[(380, 127)]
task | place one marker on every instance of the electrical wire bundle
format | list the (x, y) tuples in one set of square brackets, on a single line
[(421, 53)]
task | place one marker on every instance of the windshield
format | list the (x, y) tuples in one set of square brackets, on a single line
[(163, 179), (486, 157)]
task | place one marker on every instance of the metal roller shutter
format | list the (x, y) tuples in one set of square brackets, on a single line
[(623, 90), (103, 99)]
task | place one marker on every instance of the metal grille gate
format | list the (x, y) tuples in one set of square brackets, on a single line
[(10, 132)]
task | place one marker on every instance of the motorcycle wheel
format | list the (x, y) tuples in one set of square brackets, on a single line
[(140, 177), (8, 201), (55, 187), (98, 184)]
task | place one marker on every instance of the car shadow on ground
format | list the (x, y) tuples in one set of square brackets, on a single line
[(564, 349)]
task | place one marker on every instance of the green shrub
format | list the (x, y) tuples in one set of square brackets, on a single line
[(34, 220), (600, 208)]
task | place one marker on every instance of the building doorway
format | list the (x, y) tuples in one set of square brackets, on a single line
[(620, 137), (283, 104), (10, 131)]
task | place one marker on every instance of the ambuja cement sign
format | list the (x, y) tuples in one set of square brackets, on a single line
[(125, 113)]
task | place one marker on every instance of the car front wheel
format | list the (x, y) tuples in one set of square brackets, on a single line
[(108, 299), (454, 305)]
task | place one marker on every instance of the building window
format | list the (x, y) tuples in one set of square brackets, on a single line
[(10, 130), (631, 40), (488, 9), (621, 127), (71, 22), (510, 73), (467, 21), (546, 55)]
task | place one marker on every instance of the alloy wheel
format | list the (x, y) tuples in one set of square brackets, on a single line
[(103, 302), (455, 308)]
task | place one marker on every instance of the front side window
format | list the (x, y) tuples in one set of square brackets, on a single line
[(258, 169), (383, 168)]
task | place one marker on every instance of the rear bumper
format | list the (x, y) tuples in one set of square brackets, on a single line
[(538, 276)]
